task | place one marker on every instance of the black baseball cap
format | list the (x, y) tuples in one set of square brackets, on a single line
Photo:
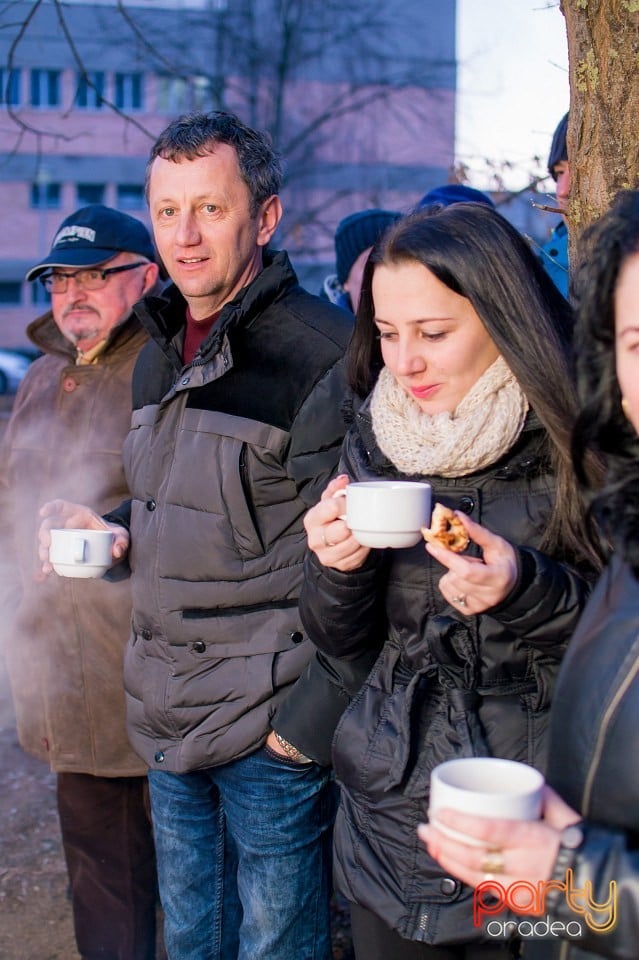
[(92, 235)]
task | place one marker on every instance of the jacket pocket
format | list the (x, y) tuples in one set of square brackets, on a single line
[(245, 486)]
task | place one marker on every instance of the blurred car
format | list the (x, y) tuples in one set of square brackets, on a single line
[(13, 366)]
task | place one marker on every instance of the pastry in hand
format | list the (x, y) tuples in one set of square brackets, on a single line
[(446, 529)]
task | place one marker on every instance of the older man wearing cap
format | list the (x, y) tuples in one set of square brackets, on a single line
[(64, 638)]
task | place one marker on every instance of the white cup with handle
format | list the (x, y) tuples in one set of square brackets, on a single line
[(81, 553), (486, 787), (387, 513)]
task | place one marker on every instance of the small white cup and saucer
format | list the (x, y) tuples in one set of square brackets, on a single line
[(81, 553), (387, 513)]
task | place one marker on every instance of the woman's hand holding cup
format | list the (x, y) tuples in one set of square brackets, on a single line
[(328, 536), (526, 849)]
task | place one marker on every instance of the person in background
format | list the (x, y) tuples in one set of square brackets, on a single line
[(354, 239), (357, 233), (554, 253), (448, 193), (236, 427), (64, 640), (591, 819), (470, 643)]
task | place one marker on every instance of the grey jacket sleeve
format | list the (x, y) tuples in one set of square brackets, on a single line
[(317, 434), (309, 715)]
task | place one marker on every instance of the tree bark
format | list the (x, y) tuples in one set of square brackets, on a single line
[(603, 129)]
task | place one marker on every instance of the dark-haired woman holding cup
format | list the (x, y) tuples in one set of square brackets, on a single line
[(460, 356)]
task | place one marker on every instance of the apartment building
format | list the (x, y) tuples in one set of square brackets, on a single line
[(360, 101)]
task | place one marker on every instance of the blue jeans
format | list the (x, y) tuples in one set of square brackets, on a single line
[(244, 859)]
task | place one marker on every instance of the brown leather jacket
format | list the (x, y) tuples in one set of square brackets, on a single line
[(63, 638)]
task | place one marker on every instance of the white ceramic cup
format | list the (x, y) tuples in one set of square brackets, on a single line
[(487, 787), (387, 513), (81, 553)]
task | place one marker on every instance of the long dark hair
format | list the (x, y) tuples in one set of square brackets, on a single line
[(601, 426), (479, 255)]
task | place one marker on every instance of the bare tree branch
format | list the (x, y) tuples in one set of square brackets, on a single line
[(350, 51), (141, 38), (11, 66), (87, 78)]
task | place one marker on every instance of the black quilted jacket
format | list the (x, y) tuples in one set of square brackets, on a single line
[(594, 743), (443, 685)]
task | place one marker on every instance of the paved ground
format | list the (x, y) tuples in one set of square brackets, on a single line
[(35, 918)]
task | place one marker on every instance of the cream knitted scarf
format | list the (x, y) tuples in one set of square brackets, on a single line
[(483, 427)]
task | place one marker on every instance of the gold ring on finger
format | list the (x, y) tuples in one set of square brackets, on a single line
[(493, 862)]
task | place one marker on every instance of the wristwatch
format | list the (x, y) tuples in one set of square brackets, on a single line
[(572, 837)]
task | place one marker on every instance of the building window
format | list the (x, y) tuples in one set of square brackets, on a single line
[(10, 87), (172, 94), (90, 92), (45, 88), (128, 91), (10, 292), (201, 93), (90, 193), (130, 196), (177, 95), (45, 196)]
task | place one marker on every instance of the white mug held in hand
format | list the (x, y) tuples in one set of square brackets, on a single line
[(387, 513), (487, 787), (81, 553)]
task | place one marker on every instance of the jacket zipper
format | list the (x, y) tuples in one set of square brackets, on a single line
[(246, 490), (603, 730)]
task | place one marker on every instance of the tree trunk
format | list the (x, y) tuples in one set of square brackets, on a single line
[(603, 130)]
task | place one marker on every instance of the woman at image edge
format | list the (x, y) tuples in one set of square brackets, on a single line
[(461, 345), (595, 718)]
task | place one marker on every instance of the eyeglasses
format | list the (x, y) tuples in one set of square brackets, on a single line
[(89, 279)]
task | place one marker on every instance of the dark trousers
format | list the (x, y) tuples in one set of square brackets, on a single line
[(374, 940), (108, 846)]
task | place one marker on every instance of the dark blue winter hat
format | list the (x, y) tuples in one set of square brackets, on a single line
[(357, 233), (453, 193), (559, 146)]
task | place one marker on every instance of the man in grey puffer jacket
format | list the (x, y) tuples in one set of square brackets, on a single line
[(236, 429)]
